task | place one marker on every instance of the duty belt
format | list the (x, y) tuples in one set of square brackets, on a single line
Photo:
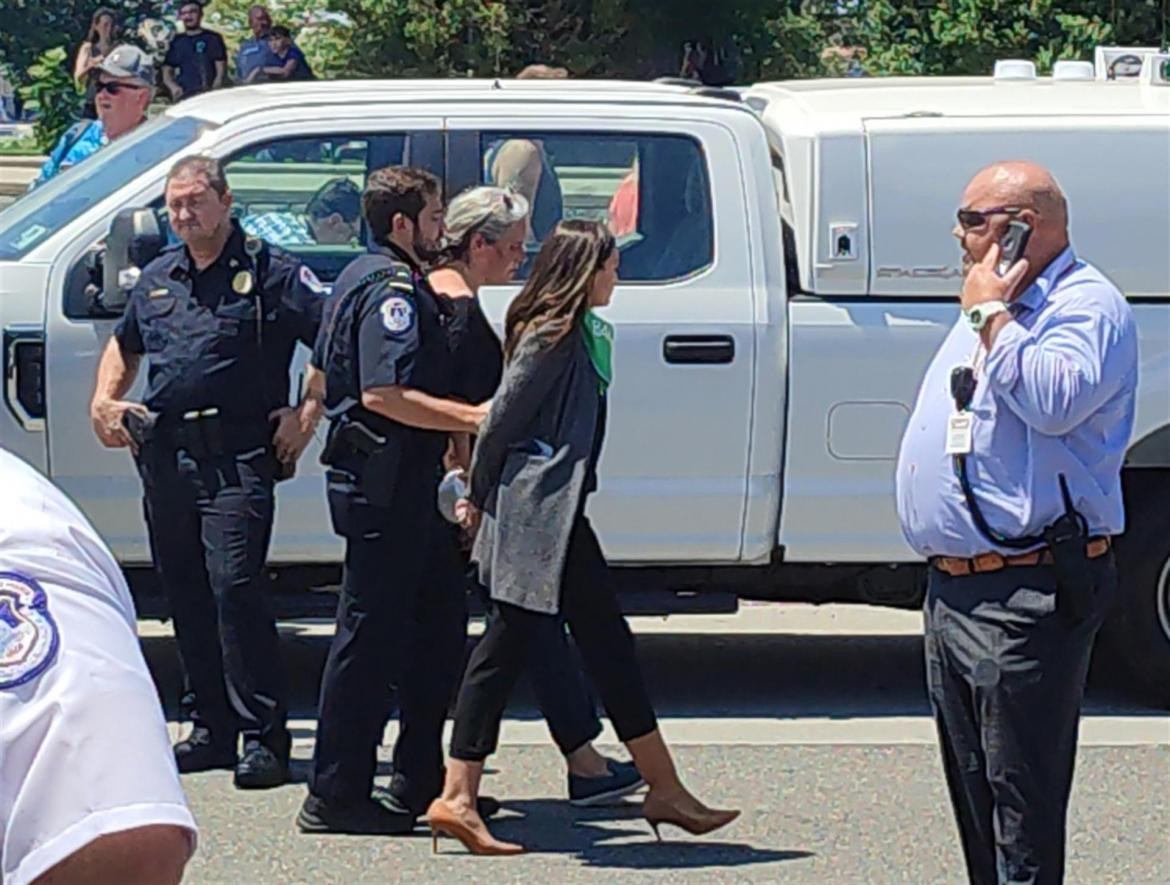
[(207, 433), (994, 562)]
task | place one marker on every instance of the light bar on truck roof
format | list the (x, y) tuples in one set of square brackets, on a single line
[(1015, 69), (1156, 69), (1120, 62), (1067, 71)]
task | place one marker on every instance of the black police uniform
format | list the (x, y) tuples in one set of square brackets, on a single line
[(401, 616), (218, 343)]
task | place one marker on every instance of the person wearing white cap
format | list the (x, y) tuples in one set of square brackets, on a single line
[(89, 791), (125, 86)]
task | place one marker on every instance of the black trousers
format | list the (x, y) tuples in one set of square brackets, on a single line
[(590, 607), (401, 624), (1006, 669), (210, 523), (554, 669)]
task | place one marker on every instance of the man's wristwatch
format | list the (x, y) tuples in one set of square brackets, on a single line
[(979, 315)]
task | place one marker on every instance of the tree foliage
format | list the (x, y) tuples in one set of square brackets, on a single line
[(52, 96), (633, 38), (950, 36)]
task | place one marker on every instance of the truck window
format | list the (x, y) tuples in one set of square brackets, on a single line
[(788, 234), (304, 194), (37, 216), (780, 178), (652, 190)]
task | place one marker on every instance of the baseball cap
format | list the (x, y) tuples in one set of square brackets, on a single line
[(129, 61)]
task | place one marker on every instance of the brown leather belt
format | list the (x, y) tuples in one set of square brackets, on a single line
[(994, 562)]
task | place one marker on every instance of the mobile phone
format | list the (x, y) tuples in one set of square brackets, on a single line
[(1012, 245)]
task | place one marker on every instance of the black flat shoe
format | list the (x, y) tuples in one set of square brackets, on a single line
[(487, 806), (261, 768), (200, 752), (368, 817)]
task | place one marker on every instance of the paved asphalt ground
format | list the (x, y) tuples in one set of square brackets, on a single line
[(813, 721)]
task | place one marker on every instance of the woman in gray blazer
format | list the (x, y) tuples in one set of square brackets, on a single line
[(535, 463)]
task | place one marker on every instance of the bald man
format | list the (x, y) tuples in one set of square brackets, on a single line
[(1009, 484), (522, 165)]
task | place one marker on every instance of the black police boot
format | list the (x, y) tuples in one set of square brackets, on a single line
[(200, 752), (368, 817), (261, 768)]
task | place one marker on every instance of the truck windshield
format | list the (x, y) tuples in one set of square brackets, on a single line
[(40, 214)]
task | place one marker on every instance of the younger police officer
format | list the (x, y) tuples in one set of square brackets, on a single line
[(217, 317), (386, 350)]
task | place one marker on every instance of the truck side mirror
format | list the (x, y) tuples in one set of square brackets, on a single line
[(134, 240)]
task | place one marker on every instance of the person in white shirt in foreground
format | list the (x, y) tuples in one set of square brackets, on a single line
[(89, 792)]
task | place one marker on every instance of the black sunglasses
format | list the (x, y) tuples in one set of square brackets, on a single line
[(114, 88), (969, 219)]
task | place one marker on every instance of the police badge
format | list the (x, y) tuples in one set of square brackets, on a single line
[(242, 282), (28, 634)]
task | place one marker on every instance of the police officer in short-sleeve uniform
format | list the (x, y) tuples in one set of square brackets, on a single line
[(387, 338), (215, 435)]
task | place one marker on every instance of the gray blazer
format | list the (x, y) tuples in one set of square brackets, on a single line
[(530, 468)]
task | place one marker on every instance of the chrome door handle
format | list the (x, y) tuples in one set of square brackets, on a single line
[(24, 375)]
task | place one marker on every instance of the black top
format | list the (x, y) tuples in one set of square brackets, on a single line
[(302, 70), (195, 55), (481, 356), (205, 343), (386, 327)]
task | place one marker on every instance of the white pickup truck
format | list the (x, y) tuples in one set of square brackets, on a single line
[(788, 271)]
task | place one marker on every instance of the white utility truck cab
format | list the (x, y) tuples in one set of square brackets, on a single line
[(787, 273)]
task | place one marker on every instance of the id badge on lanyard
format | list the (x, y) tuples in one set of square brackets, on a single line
[(960, 433)]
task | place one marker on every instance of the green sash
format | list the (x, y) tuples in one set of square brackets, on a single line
[(599, 344)]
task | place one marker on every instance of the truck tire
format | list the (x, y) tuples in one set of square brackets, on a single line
[(1138, 631)]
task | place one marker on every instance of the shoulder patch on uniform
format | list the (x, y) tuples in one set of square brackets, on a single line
[(397, 314), (311, 282), (28, 633)]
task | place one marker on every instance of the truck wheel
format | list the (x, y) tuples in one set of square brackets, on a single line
[(1138, 631)]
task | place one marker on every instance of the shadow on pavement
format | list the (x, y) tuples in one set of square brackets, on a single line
[(779, 676), (552, 827)]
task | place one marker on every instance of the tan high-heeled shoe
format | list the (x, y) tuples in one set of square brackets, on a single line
[(473, 832), (697, 820)]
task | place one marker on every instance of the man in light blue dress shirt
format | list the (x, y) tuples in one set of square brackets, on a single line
[(1036, 381)]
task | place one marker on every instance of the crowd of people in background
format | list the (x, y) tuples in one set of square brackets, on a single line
[(119, 79), (196, 58)]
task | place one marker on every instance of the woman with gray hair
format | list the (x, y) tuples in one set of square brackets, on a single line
[(484, 246)]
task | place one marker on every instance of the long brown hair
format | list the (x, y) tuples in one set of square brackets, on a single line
[(102, 12), (557, 291)]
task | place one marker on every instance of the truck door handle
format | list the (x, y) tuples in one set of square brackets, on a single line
[(24, 375), (698, 349)]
